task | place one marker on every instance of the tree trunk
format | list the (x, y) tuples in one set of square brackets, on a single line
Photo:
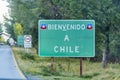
[(105, 57), (104, 60), (106, 51)]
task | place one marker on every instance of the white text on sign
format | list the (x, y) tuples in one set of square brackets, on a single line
[(66, 49)]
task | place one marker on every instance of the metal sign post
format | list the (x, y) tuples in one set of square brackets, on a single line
[(80, 66), (26, 50), (52, 64)]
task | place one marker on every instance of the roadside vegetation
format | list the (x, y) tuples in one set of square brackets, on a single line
[(64, 68), (24, 15)]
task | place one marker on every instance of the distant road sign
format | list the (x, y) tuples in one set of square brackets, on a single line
[(20, 40), (27, 41), (66, 38)]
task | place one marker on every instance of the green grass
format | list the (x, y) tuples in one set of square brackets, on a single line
[(64, 68)]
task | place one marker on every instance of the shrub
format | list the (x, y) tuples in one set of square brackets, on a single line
[(27, 56)]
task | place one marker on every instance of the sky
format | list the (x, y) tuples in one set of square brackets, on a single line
[(3, 9), (3, 12)]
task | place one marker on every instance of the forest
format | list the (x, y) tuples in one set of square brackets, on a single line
[(24, 16)]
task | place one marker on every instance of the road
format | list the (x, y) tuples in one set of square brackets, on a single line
[(8, 66)]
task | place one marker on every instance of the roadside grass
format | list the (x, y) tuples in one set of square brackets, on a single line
[(64, 68)]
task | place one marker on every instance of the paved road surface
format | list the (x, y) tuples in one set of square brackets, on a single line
[(8, 67)]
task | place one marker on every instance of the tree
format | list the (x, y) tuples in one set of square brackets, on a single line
[(9, 27), (17, 29), (1, 28), (1, 31), (106, 14), (110, 22)]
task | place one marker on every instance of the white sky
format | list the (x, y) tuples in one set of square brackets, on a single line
[(3, 9)]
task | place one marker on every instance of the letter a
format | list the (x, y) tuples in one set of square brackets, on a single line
[(66, 38)]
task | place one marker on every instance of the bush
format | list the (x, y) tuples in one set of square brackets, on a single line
[(47, 72), (29, 56)]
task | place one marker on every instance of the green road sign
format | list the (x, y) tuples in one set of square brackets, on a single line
[(66, 38), (20, 40)]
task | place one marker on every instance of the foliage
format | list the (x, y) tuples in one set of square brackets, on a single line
[(91, 71), (0, 28), (1, 39), (9, 27), (1, 31), (106, 14), (17, 29)]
